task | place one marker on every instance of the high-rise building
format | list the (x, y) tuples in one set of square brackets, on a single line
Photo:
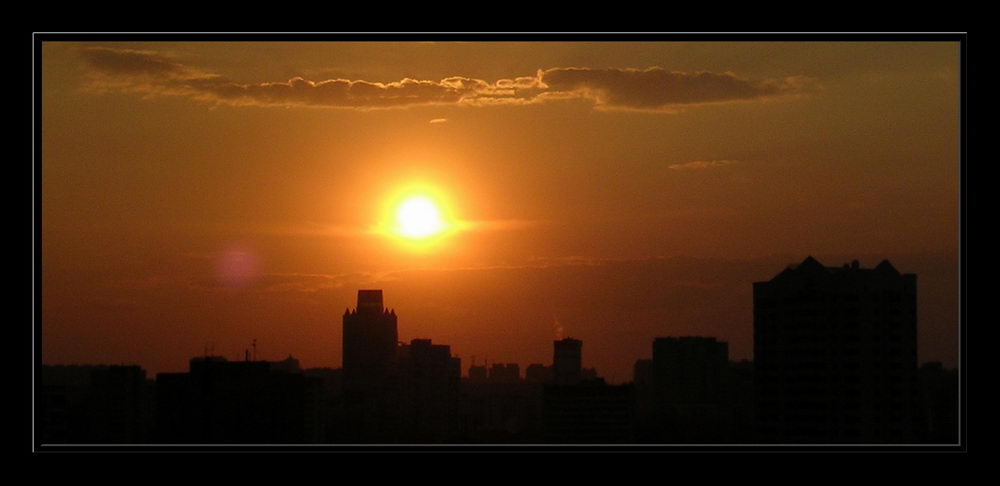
[(369, 343), (835, 354), (566, 361)]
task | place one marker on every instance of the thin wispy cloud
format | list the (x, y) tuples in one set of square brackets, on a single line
[(703, 164), (277, 282), (652, 89), (438, 120), (499, 224), (300, 282), (315, 229)]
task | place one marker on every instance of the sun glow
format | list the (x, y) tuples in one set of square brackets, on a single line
[(418, 218)]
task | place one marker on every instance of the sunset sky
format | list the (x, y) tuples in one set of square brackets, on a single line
[(209, 194)]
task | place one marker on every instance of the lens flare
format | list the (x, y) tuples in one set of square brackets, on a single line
[(237, 268)]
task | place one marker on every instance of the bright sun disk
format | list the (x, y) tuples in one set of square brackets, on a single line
[(418, 217)]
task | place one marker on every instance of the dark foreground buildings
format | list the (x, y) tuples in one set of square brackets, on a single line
[(835, 355), (225, 402), (395, 392), (577, 408), (685, 392), (429, 387), (95, 405), (370, 339), (557, 404), (835, 362)]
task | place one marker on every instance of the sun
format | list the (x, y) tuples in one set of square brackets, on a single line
[(418, 217)]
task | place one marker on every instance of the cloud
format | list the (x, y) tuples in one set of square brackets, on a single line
[(656, 88), (652, 89), (129, 62), (499, 224), (298, 282), (381, 229), (702, 164), (331, 93), (439, 120), (281, 283)]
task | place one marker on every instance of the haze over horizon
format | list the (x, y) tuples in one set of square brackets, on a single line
[(224, 192)]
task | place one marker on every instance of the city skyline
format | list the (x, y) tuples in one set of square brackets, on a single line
[(238, 351), (213, 194), (373, 300), (837, 348)]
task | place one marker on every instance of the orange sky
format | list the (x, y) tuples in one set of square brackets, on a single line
[(222, 192)]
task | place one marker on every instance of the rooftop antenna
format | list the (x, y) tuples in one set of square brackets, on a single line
[(255, 350)]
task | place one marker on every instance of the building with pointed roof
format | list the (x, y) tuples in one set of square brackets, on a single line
[(835, 354), (370, 345)]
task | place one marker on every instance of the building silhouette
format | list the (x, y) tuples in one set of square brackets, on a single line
[(331, 403), (579, 407), (220, 402), (505, 372), (370, 342), (740, 398), (835, 355), (939, 389), (289, 365), (370, 339), (835, 362), (477, 373), (588, 412), (95, 404), (538, 373), (689, 369), (689, 378), (566, 361), (500, 411), (645, 402), (429, 381), (394, 392)]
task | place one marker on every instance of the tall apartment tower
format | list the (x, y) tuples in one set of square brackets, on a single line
[(566, 361), (370, 373), (835, 354), (370, 341)]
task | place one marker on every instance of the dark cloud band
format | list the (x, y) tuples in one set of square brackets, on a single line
[(656, 88)]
